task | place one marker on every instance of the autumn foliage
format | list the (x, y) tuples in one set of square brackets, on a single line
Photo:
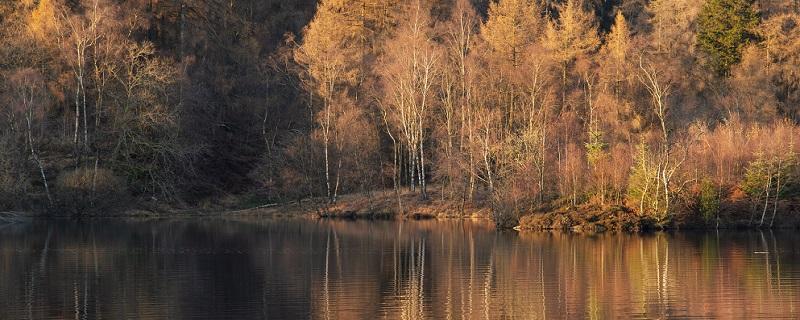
[(520, 106)]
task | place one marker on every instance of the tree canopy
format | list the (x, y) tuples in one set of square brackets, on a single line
[(725, 27)]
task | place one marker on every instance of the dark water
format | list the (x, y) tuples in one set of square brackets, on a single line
[(299, 269)]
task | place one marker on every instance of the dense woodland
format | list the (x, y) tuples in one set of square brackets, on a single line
[(666, 108)]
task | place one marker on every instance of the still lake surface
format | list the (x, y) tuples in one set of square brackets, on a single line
[(300, 269)]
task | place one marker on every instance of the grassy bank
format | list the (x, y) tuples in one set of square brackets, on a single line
[(384, 204)]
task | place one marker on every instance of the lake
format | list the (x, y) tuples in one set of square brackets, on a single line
[(263, 268)]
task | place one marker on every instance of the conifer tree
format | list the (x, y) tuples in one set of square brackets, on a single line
[(616, 50), (619, 38), (725, 27), (512, 25), (573, 35)]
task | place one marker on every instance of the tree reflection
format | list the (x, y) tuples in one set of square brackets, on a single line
[(408, 270)]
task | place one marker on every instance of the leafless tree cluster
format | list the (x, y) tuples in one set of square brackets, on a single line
[(517, 105), (538, 105)]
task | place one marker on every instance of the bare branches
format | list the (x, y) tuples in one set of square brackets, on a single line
[(659, 89)]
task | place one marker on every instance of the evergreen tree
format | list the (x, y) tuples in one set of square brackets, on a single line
[(725, 27)]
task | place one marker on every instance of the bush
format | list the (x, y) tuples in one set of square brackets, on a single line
[(508, 204), (85, 190), (776, 175), (708, 201)]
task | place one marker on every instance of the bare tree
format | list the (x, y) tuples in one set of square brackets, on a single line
[(78, 34), (659, 89), (411, 73), (30, 98), (330, 57)]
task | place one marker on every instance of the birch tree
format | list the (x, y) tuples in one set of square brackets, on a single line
[(460, 32), (30, 94), (412, 68), (144, 125), (659, 88), (78, 34), (330, 59)]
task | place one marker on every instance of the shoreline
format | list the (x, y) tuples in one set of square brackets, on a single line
[(383, 205)]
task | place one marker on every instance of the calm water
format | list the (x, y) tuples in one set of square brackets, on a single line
[(299, 269)]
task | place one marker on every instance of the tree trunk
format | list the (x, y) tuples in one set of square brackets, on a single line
[(563, 86), (85, 116), (325, 138), (35, 156), (338, 175), (94, 178), (766, 199), (422, 177), (77, 120), (777, 197)]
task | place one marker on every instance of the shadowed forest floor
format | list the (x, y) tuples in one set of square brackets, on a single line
[(586, 218), (384, 204)]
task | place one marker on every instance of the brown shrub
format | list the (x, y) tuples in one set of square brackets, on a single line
[(89, 191)]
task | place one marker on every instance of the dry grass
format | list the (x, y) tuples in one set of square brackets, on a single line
[(380, 204), (87, 191)]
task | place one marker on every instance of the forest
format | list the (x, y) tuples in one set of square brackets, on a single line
[(667, 112)]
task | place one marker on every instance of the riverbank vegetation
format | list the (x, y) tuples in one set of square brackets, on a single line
[(661, 112)]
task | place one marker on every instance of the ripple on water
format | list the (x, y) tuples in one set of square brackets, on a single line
[(297, 269)]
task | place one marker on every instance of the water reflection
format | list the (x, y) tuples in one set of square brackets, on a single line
[(294, 269)]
